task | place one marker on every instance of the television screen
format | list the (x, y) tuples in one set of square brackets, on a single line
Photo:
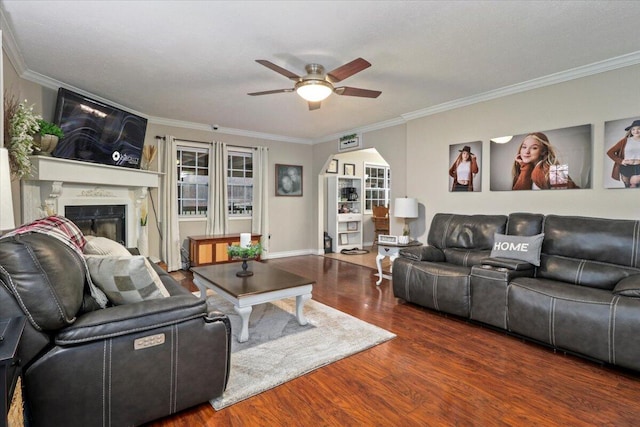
[(96, 132)]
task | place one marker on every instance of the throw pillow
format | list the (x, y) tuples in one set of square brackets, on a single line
[(126, 279), (524, 248), (105, 247)]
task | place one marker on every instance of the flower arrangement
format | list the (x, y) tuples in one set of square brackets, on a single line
[(148, 154), (20, 125), (248, 252), (144, 215)]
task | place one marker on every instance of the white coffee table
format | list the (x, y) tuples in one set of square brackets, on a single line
[(266, 285)]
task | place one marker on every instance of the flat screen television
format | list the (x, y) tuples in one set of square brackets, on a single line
[(98, 133)]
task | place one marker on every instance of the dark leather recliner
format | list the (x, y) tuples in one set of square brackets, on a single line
[(438, 275), (119, 366)]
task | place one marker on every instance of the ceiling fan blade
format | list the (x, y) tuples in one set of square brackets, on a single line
[(354, 91), (270, 65), (269, 92), (348, 70), (314, 105)]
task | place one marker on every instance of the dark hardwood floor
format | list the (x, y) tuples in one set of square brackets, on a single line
[(439, 371)]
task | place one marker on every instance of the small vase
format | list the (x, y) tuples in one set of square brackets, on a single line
[(143, 241), (45, 144), (244, 272)]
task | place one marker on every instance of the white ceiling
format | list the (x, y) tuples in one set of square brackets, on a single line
[(193, 61)]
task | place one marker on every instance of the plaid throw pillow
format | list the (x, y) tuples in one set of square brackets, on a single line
[(127, 279)]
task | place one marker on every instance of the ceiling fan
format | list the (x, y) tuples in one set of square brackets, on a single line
[(317, 85)]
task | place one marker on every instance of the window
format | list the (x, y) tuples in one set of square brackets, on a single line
[(377, 185), (193, 181), (240, 183)]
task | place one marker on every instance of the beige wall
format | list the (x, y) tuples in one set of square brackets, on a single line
[(418, 154), (589, 100), (288, 216)]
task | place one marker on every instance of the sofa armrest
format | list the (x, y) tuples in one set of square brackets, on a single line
[(628, 287), (131, 318), (423, 253), (508, 263)]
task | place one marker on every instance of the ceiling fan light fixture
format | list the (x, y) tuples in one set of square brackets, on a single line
[(314, 90)]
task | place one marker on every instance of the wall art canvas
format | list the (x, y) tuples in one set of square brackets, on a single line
[(558, 159), (622, 153), (288, 180), (465, 170)]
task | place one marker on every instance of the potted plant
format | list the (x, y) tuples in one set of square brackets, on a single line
[(20, 125), (47, 138), (244, 253)]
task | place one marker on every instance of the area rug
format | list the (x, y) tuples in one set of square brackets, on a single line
[(279, 349)]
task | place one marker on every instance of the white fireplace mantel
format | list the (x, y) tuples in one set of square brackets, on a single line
[(56, 183), (46, 168)]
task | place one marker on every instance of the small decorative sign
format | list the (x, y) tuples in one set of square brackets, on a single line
[(349, 142), (385, 238)]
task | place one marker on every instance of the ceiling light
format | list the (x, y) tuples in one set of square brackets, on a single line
[(314, 90), (502, 139)]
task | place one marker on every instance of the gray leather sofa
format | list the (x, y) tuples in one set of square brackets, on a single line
[(119, 366), (584, 298)]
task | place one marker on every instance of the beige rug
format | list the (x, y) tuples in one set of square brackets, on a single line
[(279, 349)]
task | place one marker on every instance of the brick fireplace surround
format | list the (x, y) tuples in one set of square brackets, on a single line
[(56, 183)]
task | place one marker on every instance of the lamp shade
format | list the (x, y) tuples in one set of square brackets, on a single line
[(313, 90), (405, 207), (6, 201)]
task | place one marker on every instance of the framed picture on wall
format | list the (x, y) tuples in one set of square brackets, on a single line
[(333, 166), (464, 170), (288, 180), (557, 159), (349, 169), (621, 166)]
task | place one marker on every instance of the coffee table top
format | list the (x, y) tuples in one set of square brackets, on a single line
[(265, 278)]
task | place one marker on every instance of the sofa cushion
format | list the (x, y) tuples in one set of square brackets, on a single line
[(103, 246), (46, 277), (628, 287), (524, 248), (473, 232), (126, 279)]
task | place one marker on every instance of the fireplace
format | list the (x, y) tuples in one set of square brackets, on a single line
[(108, 221), (102, 200)]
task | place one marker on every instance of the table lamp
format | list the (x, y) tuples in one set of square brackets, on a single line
[(406, 208), (6, 205)]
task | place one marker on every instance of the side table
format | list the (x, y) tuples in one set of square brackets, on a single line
[(391, 250), (10, 333)]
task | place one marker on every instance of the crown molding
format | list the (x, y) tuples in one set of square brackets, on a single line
[(560, 77), (10, 46), (361, 130), (14, 54), (224, 130)]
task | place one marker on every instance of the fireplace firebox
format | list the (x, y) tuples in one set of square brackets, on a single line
[(100, 220)]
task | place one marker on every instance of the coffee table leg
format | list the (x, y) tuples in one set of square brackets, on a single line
[(300, 300), (244, 313)]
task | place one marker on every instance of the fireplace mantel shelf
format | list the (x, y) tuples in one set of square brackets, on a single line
[(45, 168)]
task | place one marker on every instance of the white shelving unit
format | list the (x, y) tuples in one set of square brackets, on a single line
[(344, 219)]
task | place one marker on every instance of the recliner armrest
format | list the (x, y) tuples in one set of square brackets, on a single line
[(423, 253), (131, 318), (508, 263)]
